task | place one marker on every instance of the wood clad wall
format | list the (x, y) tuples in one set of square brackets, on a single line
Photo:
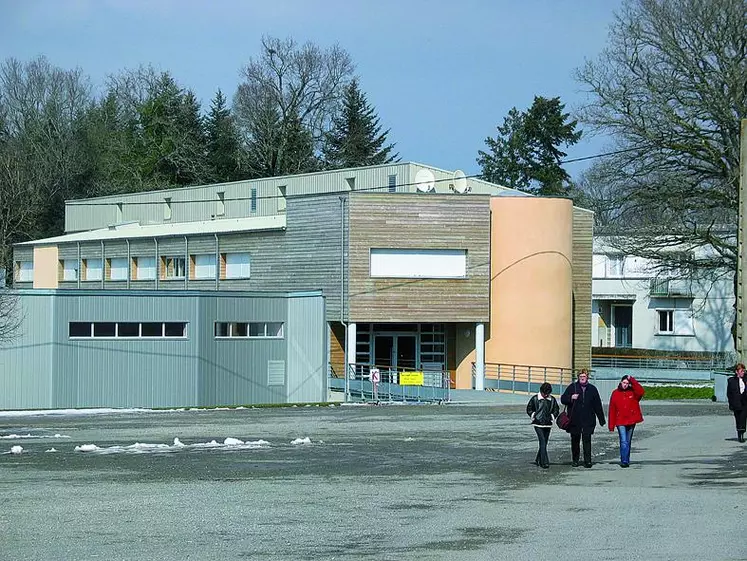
[(583, 231), (419, 221)]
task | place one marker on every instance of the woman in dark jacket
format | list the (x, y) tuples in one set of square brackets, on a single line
[(584, 408), (736, 394), (543, 410)]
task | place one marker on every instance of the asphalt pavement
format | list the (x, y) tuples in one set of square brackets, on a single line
[(429, 482)]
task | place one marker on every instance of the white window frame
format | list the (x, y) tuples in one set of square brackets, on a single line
[(418, 263), (118, 268), (175, 274), (69, 269), (145, 267), (204, 266), (94, 266), (669, 321), (238, 265), (615, 266), (25, 271)]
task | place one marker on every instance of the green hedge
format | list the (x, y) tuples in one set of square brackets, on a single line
[(677, 392)]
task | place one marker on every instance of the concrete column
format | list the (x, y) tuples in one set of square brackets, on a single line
[(350, 346), (480, 356)]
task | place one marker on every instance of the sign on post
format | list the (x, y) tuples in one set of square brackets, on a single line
[(375, 376), (411, 379)]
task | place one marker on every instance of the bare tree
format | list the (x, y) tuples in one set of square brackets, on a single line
[(671, 88), (288, 86), (11, 316)]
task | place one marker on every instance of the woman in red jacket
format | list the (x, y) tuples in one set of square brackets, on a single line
[(625, 412)]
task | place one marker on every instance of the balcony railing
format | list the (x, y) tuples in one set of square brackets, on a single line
[(667, 288)]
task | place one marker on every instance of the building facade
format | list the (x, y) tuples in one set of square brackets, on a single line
[(418, 268)]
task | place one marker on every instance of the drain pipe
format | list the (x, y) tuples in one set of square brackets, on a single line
[(129, 263), (79, 265), (186, 261), (156, 261), (217, 261), (342, 298), (103, 265)]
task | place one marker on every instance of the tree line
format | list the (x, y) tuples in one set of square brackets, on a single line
[(298, 108)]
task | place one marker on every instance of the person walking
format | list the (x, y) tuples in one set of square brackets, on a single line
[(625, 413), (584, 408), (543, 409), (736, 394)]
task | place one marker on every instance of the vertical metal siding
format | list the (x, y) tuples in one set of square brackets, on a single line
[(306, 365)]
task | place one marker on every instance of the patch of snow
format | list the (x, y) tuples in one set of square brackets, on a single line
[(16, 449), (51, 450), (305, 440), (87, 448)]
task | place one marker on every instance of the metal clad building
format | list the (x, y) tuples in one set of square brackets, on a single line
[(196, 367)]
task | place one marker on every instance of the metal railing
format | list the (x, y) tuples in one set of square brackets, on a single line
[(359, 386), (715, 362), (524, 378)]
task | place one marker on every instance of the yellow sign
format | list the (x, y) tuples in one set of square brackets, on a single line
[(411, 379)]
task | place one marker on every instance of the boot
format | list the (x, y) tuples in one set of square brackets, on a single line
[(740, 436)]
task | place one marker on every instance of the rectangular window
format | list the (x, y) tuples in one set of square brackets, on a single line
[(666, 321), (249, 329), (127, 330), (419, 263), (615, 265), (281, 198), (24, 271), (392, 183), (69, 269), (221, 204), (167, 208), (237, 265), (117, 268), (204, 266), (173, 267), (254, 199), (145, 268), (92, 269), (120, 213)]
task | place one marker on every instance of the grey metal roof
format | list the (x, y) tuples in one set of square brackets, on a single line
[(135, 230)]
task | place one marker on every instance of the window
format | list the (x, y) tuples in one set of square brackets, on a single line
[(281, 198), (249, 329), (615, 264), (351, 182), (221, 204), (145, 268), (117, 268), (92, 270), (392, 183), (120, 213), (419, 263), (203, 266), (126, 330), (167, 208), (24, 271), (666, 321), (237, 265), (254, 199), (69, 269), (173, 267)]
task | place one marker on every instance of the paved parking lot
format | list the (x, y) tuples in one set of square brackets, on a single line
[(351, 482)]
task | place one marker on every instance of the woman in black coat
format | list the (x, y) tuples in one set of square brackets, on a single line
[(736, 394), (584, 408), (543, 410)]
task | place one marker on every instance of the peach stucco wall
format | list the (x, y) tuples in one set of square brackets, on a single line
[(531, 282), (45, 267)]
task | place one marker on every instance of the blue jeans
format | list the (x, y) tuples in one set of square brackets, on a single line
[(626, 437)]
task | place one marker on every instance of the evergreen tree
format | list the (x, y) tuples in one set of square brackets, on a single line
[(223, 149), (525, 155), (356, 138)]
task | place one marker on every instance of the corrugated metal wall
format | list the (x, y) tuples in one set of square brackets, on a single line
[(44, 368)]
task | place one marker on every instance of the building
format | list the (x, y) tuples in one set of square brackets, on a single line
[(634, 305), (417, 268)]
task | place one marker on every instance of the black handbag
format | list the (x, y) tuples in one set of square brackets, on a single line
[(564, 419)]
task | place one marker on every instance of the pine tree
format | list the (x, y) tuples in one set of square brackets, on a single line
[(223, 148), (356, 138)]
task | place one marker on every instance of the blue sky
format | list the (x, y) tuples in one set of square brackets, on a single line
[(441, 74)]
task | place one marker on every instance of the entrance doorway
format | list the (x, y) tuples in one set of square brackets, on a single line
[(395, 351), (623, 324)]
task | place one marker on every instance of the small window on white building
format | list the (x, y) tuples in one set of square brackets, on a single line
[(117, 268), (237, 265), (392, 183), (615, 265), (92, 270), (203, 266), (221, 204), (253, 201), (145, 268), (120, 213), (24, 271), (666, 321), (167, 208), (281, 198)]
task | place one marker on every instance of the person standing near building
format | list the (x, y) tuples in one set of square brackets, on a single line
[(584, 408), (625, 413), (543, 410), (736, 394)]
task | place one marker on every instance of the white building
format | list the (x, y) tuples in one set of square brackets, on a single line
[(635, 306)]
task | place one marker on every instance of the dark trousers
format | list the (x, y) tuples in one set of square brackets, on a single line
[(543, 435), (576, 439), (741, 419)]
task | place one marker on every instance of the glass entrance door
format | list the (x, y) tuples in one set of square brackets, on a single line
[(395, 352)]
